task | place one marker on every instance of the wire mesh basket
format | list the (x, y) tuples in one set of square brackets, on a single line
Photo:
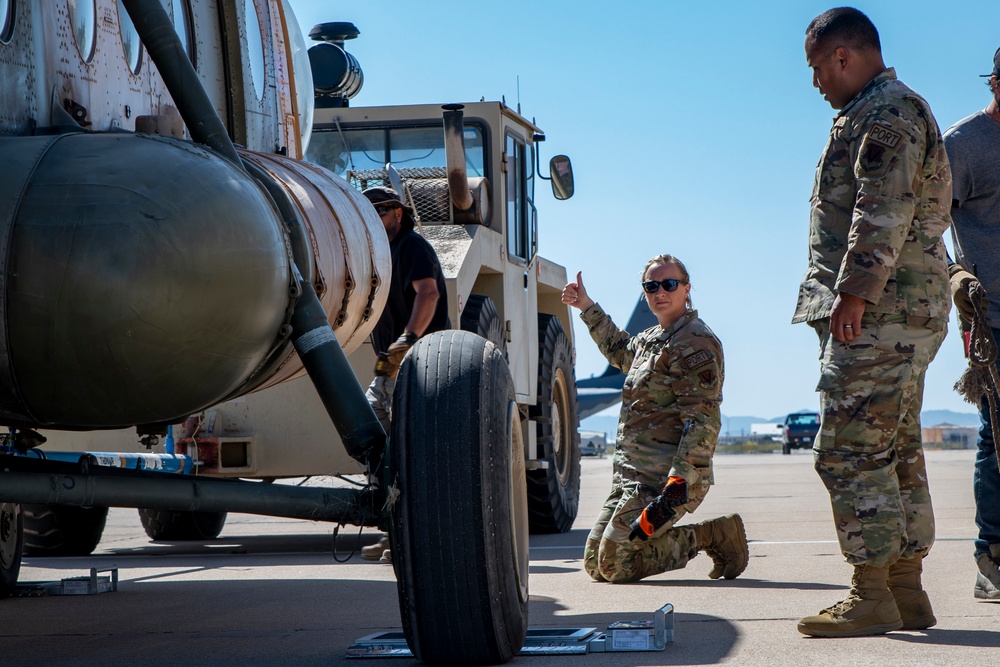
[(427, 185)]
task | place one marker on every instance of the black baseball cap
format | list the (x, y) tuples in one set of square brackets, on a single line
[(996, 65), (384, 195)]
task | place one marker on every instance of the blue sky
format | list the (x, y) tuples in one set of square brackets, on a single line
[(693, 129)]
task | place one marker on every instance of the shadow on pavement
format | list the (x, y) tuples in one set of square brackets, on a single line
[(983, 638), (698, 639), (306, 622), (218, 622)]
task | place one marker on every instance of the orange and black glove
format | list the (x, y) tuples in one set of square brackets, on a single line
[(660, 510)]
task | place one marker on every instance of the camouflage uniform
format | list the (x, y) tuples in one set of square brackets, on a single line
[(880, 205), (669, 425)]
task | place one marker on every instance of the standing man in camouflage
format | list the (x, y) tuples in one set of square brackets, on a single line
[(876, 291), (973, 145)]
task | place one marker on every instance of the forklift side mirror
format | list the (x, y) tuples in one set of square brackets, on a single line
[(561, 170)]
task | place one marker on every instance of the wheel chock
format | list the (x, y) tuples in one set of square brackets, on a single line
[(85, 585), (642, 635)]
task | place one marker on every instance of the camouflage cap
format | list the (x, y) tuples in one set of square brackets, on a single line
[(996, 65), (381, 194)]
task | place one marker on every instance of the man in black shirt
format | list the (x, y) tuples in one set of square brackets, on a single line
[(417, 305), (417, 302)]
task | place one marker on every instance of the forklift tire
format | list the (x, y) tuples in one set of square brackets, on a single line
[(172, 526), (62, 530), (11, 546), (459, 518), (554, 491), (480, 317)]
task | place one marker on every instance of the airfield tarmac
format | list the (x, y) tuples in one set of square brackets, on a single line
[(268, 591)]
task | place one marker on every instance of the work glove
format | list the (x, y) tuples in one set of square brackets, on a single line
[(965, 290), (660, 510), (399, 349), (387, 364)]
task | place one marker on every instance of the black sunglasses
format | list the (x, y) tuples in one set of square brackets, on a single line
[(382, 210), (670, 284)]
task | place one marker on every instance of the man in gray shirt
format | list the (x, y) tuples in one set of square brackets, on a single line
[(973, 146)]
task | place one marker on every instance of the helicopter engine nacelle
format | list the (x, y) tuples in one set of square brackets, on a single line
[(146, 278)]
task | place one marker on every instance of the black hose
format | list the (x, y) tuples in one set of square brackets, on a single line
[(334, 379)]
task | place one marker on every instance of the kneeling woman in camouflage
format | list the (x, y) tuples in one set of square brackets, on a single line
[(667, 432)]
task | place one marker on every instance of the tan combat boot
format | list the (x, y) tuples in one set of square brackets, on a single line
[(868, 610), (911, 599), (725, 540), (375, 551)]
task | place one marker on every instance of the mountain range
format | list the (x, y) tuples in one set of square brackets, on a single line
[(741, 425)]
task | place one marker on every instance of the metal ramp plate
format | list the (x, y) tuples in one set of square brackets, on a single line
[(85, 585), (621, 636)]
